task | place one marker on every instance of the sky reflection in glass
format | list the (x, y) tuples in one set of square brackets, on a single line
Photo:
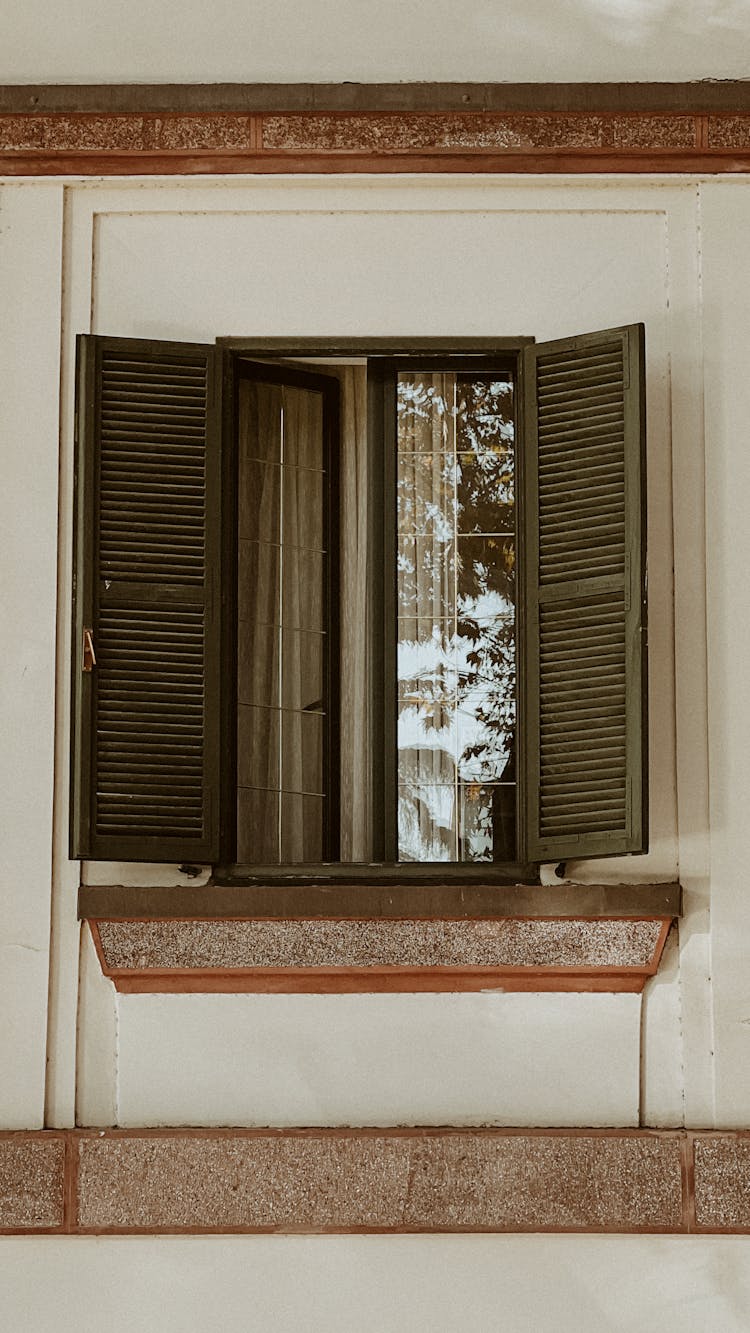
[(456, 596)]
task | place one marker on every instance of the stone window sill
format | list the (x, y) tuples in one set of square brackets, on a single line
[(318, 939)]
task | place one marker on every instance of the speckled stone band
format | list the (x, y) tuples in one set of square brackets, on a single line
[(374, 1180), (304, 943), (328, 955), (126, 142)]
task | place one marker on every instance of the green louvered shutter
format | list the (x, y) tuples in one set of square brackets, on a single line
[(584, 790), (145, 766)]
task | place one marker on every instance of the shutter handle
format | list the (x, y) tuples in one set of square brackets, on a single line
[(89, 656)]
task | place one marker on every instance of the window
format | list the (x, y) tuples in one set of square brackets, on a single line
[(303, 641)]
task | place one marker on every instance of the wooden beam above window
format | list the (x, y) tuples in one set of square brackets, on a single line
[(184, 129), (694, 97)]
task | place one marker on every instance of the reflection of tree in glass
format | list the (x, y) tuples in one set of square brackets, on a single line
[(461, 493)]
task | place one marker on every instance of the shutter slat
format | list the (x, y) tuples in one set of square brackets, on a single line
[(583, 753), (149, 508)]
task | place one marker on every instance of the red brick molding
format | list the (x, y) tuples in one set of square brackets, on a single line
[(581, 128), (380, 955), (373, 1180)]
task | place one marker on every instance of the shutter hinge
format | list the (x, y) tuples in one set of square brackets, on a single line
[(89, 655)]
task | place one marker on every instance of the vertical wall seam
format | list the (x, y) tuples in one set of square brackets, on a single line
[(116, 1056), (70, 1164), (668, 283), (688, 1158), (52, 997), (702, 390)]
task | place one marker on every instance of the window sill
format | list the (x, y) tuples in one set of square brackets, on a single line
[(239, 939), (288, 898)]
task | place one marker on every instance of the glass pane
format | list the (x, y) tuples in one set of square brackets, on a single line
[(258, 664), (427, 742), (426, 494), (484, 493), (302, 828), (260, 514), (260, 564), (302, 752), (258, 751), (484, 735), (426, 413), (303, 428), (426, 569), (303, 575), (257, 826), (303, 508), (281, 724), (456, 628), (427, 663), (488, 821), (259, 422), (485, 579), (484, 416), (427, 822), (302, 674)]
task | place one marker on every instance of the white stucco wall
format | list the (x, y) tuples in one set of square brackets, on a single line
[(99, 41), (203, 258), (376, 1284), (451, 256)]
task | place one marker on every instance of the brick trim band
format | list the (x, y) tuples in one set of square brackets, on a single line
[(125, 142), (157, 1181)]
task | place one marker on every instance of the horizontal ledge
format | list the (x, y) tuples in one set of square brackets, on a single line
[(375, 981), (394, 1179), (365, 901), (400, 345), (696, 97), (303, 956), (210, 163)]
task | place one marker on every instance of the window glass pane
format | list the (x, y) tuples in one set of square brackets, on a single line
[(487, 822), (282, 632), (260, 564), (303, 588), (302, 518), (258, 664), (456, 617), (302, 752), (257, 826), (301, 828), (259, 749)]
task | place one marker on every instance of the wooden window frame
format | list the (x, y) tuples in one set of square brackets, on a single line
[(385, 357)]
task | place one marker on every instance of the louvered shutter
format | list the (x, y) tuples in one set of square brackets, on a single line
[(582, 610), (145, 774)]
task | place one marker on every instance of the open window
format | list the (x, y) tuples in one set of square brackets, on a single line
[(368, 606)]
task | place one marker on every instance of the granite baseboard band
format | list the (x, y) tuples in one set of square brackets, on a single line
[(343, 956), (396, 1180), (152, 141)]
